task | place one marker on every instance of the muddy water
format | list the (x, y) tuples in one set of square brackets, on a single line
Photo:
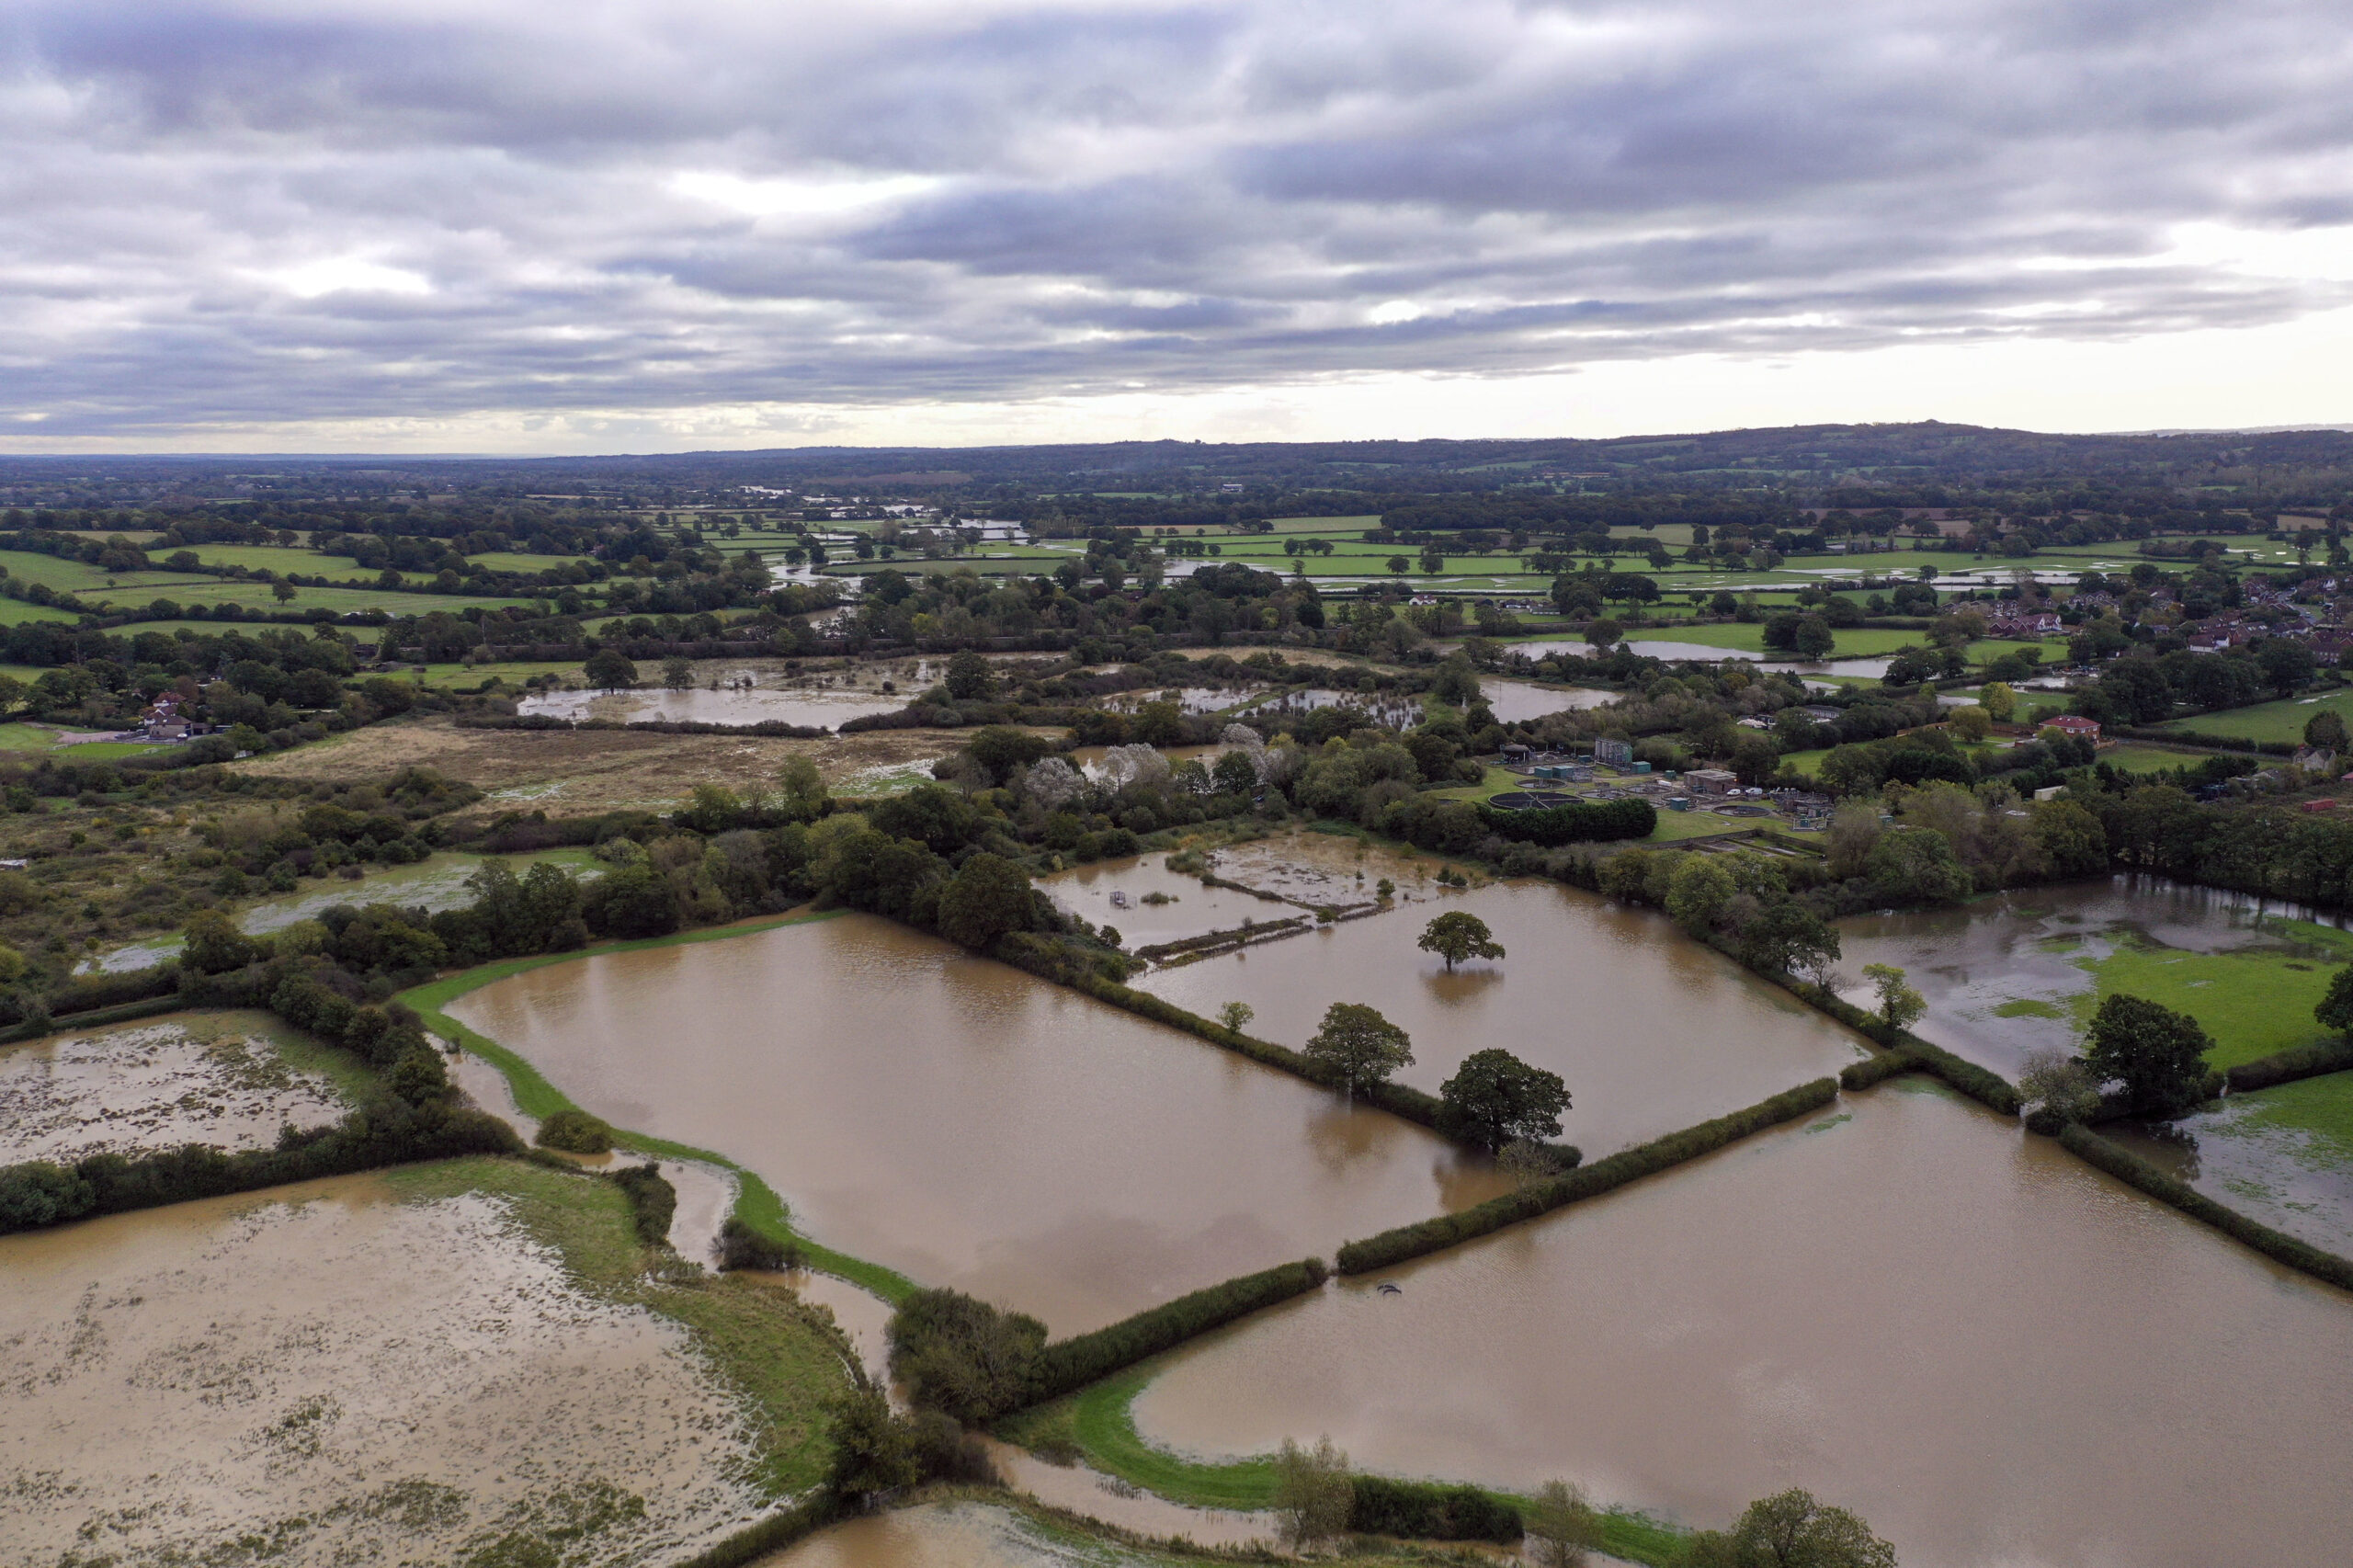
[(1512, 700), (348, 1376), (799, 706), (1192, 910), (1993, 1353), (2280, 1154), (2021, 947), (941, 1535), (968, 1124), (1650, 1031), (215, 1079), (1095, 1495)]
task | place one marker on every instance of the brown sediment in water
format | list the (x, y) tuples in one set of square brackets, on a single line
[(349, 1378), (212, 1079), (1513, 700), (1993, 1352), (1650, 1031), (940, 1535), (969, 1124), (1077, 1489)]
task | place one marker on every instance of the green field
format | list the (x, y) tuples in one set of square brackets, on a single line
[(2253, 1001), (2283, 721)]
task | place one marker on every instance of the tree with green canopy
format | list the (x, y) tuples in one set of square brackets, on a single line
[(1357, 1045), (2158, 1054), (1495, 1098), (1791, 1530), (1457, 936)]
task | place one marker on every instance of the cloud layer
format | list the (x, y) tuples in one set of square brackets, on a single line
[(248, 215)]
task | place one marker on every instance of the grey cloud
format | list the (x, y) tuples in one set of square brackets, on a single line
[(1175, 196)]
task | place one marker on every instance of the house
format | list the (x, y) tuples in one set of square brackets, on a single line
[(1712, 780), (2075, 725)]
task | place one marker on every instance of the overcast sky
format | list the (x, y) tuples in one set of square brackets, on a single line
[(590, 225)]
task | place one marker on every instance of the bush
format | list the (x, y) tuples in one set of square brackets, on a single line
[(652, 1200), (948, 1452), (575, 1133), (961, 1356), (1418, 1510), (1541, 1197), (740, 1246), (1878, 1070), (2287, 1067), (39, 1193), (1074, 1363), (1576, 824)]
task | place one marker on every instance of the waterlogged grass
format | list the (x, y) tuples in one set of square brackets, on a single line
[(2030, 1007), (775, 1352), (1099, 1422), (2253, 1001), (2320, 1109), (756, 1203)]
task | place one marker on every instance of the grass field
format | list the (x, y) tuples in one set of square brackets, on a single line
[(2254, 1002), (2320, 1108), (2283, 721)]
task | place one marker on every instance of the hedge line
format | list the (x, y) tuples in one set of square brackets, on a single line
[(97, 1019), (1988, 1088), (389, 1133), (1069, 1365), (1423, 1510), (1398, 1100), (2201, 738), (1878, 1070), (772, 1534), (2287, 1067), (1603, 1176), (2133, 1171), (1576, 824)]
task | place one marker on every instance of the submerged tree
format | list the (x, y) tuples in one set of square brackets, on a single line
[(2158, 1054), (1357, 1045), (1313, 1493), (1495, 1098), (608, 669), (1456, 935), (1899, 1005), (1563, 1527), (1237, 1015), (1791, 1530)]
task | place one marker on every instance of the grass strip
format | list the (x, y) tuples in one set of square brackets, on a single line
[(1540, 1198), (2135, 1171), (756, 1203), (1099, 1422)]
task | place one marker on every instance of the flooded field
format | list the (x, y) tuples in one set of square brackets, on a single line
[(799, 705), (951, 1535), (1189, 910), (1512, 700), (1993, 1353), (333, 1374), (2283, 1155), (966, 1123), (1196, 700), (2021, 972), (222, 1079), (1651, 1031), (437, 881)]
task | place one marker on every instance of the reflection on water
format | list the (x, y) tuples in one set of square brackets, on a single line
[(819, 709), (1993, 1352), (966, 1123), (1512, 700), (2278, 1154), (1999, 973), (1651, 1030), (1192, 908)]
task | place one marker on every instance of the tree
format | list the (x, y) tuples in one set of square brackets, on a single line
[(1456, 935), (214, 944), (677, 673), (2061, 1086), (1236, 1016), (1698, 893), (1997, 699), (872, 1452), (1916, 865), (1357, 1045), (2286, 664), (1313, 1493), (1398, 564), (987, 898), (283, 591), (1972, 724), (1791, 1530), (2325, 731), (970, 679), (1495, 1098), (1603, 632), (1899, 1005), (1235, 773), (803, 786), (609, 670), (2335, 1009), (1789, 937), (1563, 1527), (2158, 1054), (1813, 639)]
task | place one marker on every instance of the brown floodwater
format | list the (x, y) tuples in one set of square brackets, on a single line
[(969, 1124), (1192, 910), (1993, 1353), (938, 1535), (2021, 946), (1512, 700), (1650, 1030), (799, 705)]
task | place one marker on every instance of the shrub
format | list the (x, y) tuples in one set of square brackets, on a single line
[(575, 1133), (961, 1356), (652, 1202), (740, 1246), (1074, 1363), (1878, 1070), (1420, 1511), (1576, 824)]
